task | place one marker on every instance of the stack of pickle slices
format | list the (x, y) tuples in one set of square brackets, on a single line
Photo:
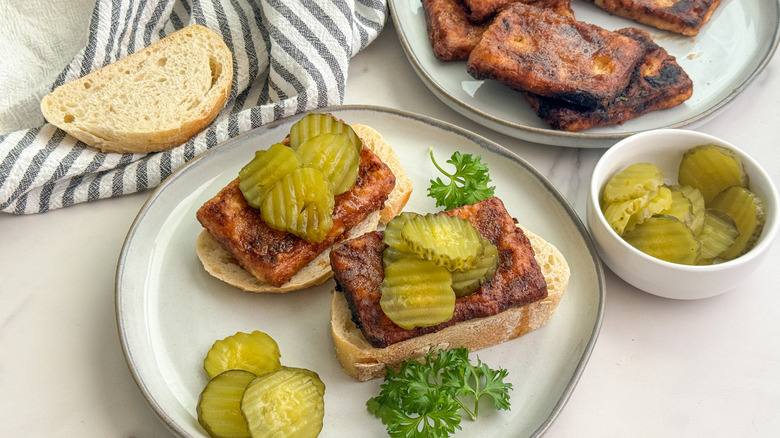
[(294, 187), (710, 216), (430, 260)]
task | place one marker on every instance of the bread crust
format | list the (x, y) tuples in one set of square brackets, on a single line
[(364, 362), (152, 100)]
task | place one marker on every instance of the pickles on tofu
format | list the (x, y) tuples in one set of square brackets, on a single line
[(335, 156), (665, 238), (314, 124), (255, 352), (286, 403), (448, 241), (718, 234), (466, 282), (711, 168), (748, 213), (265, 169), (219, 405), (417, 293), (635, 181)]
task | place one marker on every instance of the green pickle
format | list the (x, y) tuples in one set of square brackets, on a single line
[(749, 214), (266, 168), (634, 181), (255, 352), (466, 282), (335, 157), (314, 124), (284, 404), (697, 206), (666, 238), (718, 234), (680, 207), (417, 293), (448, 241), (219, 405), (711, 168), (300, 203)]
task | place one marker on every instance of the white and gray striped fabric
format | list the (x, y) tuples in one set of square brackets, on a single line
[(290, 56)]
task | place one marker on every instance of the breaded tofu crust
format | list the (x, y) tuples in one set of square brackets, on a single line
[(274, 256), (450, 32), (481, 10), (545, 53), (681, 16), (658, 83), (358, 271)]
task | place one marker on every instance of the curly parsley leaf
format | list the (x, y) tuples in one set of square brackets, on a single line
[(425, 399), (467, 184)]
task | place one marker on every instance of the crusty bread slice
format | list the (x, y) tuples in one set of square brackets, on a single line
[(403, 183), (365, 362), (220, 264), (151, 100)]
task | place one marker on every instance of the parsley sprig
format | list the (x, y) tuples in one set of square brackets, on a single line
[(425, 399), (467, 185)]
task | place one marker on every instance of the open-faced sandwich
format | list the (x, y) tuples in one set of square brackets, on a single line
[(270, 229)]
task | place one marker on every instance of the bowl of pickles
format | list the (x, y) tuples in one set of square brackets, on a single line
[(681, 214)]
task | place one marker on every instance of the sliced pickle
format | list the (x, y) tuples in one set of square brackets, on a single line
[(748, 213), (618, 213), (285, 403), (680, 207), (335, 156), (635, 181), (658, 203), (300, 203), (255, 352), (219, 405), (396, 247), (665, 238), (448, 241), (697, 206), (711, 168), (417, 293), (466, 282), (314, 124), (265, 169), (314, 376), (718, 234)]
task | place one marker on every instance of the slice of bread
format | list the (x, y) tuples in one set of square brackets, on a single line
[(403, 183), (365, 362), (151, 100)]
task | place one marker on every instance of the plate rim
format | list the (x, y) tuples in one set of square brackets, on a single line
[(477, 139), (567, 139)]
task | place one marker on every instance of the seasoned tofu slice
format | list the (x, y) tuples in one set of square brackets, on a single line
[(681, 16)]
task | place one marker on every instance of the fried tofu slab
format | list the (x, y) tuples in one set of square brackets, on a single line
[(481, 10), (358, 271), (548, 54), (685, 17), (274, 256), (658, 83)]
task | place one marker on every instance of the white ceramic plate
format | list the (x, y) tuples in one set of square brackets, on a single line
[(722, 60), (170, 311)]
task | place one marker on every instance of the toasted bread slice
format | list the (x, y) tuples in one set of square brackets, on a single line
[(681, 16), (363, 361), (543, 52), (151, 100), (658, 83)]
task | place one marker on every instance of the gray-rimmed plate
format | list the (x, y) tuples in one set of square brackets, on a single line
[(170, 311), (722, 60)]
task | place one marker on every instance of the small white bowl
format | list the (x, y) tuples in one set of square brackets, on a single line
[(665, 148)]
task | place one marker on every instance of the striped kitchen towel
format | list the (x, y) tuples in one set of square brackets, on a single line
[(289, 56)]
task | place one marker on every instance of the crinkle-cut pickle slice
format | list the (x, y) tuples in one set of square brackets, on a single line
[(285, 403), (219, 405), (658, 203), (448, 241), (265, 169), (665, 238), (300, 203), (749, 214), (634, 181), (335, 157), (314, 124), (617, 214), (466, 282), (711, 168), (396, 248), (697, 206), (417, 293), (255, 352), (679, 207), (718, 234)]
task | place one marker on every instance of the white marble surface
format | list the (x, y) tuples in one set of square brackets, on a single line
[(660, 367)]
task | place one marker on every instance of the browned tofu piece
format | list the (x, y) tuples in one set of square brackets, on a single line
[(275, 256), (545, 53), (481, 10), (681, 16), (357, 269), (450, 32), (658, 83)]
